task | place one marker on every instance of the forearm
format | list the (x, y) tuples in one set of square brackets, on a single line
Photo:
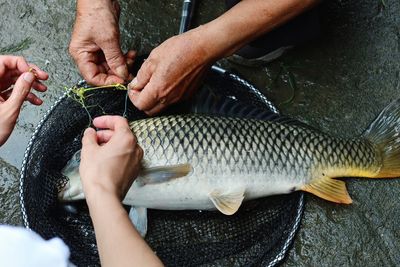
[(86, 5), (97, 9), (245, 22), (118, 242)]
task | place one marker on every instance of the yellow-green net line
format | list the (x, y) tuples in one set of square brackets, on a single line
[(80, 93)]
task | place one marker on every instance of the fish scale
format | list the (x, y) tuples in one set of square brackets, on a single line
[(241, 146), (208, 162)]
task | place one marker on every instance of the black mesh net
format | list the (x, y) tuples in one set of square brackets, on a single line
[(259, 234)]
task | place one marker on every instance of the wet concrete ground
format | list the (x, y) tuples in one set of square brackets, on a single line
[(342, 81)]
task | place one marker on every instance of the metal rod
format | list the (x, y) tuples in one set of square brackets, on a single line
[(186, 17)]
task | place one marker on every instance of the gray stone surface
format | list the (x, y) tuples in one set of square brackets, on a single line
[(342, 81)]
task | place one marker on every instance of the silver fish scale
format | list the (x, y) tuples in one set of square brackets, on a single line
[(218, 145)]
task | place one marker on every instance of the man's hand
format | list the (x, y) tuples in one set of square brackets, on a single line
[(172, 72), (173, 69), (16, 79), (95, 44), (110, 158)]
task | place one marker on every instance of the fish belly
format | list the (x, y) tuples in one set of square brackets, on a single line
[(194, 192)]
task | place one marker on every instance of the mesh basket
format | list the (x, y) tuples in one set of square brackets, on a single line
[(259, 234)]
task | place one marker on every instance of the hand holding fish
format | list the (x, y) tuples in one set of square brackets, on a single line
[(95, 45), (110, 158), (172, 72), (110, 161), (17, 77)]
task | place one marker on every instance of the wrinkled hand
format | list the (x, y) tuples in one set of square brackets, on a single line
[(15, 83), (110, 158), (172, 72), (95, 44)]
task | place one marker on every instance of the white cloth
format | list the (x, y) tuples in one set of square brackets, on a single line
[(20, 247)]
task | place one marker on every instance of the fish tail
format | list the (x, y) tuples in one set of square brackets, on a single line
[(384, 134)]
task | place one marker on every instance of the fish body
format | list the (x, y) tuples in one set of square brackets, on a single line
[(228, 156), (206, 162)]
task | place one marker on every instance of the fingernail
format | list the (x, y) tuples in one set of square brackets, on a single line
[(122, 72), (132, 84), (32, 70), (130, 62), (87, 130), (29, 77), (38, 101)]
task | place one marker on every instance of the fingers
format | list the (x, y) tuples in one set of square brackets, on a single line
[(13, 63), (11, 67), (155, 110), (94, 73), (111, 122), (144, 100), (20, 65), (142, 78), (11, 78), (103, 136), (116, 60), (89, 138), (130, 57), (33, 99), (115, 132), (40, 74), (21, 90), (104, 79), (38, 86)]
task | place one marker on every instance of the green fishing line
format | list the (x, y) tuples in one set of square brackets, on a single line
[(79, 95)]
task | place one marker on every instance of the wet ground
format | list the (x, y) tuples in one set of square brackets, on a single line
[(340, 81)]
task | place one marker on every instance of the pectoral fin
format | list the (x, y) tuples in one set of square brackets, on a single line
[(156, 175), (138, 216), (329, 189), (227, 202)]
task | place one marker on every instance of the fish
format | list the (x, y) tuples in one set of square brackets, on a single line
[(205, 162)]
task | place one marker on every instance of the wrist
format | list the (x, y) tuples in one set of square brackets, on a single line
[(89, 6), (93, 4), (97, 193), (217, 33), (102, 204), (201, 37)]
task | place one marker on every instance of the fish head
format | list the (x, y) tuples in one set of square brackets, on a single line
[(72, 190)]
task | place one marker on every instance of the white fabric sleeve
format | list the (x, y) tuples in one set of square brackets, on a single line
[(20, 247)]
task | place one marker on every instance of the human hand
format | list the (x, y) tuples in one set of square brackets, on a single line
[(16, 80), (95, 44), (110, 158), (172, 72)]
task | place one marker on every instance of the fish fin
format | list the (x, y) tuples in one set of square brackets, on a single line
[(384, 134), (138, 216), (227, 202), (210, 102), (156, 175), (329, 189)]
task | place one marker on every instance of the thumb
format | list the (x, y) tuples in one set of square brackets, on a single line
[(21, 89), (89, 138), (116, 61)]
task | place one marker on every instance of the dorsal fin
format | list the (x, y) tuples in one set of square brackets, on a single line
[(210, 103)]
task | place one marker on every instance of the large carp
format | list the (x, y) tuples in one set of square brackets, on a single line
[(205, 162)]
